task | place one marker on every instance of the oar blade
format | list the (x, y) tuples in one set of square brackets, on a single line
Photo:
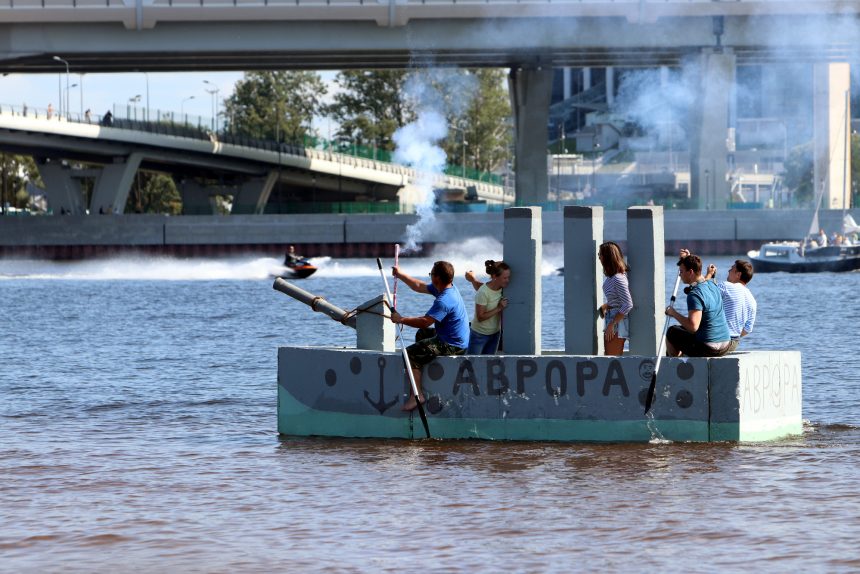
[(423, 416), (649, 398)]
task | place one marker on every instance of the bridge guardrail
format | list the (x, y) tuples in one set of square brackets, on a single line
[(200, 131)]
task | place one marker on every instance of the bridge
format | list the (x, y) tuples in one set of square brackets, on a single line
[(164, 35), (531, 37), (204, 165)]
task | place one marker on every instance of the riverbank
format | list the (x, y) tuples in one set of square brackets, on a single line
[(728, 232)]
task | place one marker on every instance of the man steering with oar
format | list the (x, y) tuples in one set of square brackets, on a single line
[(448, 314)]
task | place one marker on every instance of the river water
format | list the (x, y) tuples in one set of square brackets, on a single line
[(138, 427)]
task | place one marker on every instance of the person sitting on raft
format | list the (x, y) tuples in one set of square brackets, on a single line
[(448, 314), (486, 328), (739, 304), (703, 332)]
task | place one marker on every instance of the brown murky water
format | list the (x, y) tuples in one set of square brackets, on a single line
[(137, 417)]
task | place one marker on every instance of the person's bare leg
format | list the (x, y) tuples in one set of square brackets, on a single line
[(411, 403), (671, 351), (615, 347)]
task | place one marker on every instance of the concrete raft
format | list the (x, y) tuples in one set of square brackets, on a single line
[(747, 396), (531, 394)]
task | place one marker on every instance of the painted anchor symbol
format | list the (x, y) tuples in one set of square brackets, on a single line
[(380, 405)]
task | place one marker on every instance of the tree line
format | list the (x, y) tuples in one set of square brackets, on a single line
[(369, 106)]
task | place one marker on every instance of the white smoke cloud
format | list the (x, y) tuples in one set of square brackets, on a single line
[(435, 94)]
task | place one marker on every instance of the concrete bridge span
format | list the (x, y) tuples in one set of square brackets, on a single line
[(203, 168), (160, 35)]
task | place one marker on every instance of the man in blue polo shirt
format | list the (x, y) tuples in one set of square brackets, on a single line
[(703, 332), (448, 314)]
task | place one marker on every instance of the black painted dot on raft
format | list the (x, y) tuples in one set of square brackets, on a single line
[(643, 394), (435, 371), (355, 365), (684, 399), (646, 369), (434, 405), (685, 371), (330, 377)]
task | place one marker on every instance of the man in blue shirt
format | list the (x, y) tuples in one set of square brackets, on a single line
[(703, 332), (448, 314)]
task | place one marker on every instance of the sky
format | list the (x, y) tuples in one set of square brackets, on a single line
[(184, 92)]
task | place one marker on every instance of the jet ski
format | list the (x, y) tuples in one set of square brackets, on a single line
[(295, 267), (298, 269)]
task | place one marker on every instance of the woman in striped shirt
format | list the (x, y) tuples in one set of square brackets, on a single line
[(619, 303)]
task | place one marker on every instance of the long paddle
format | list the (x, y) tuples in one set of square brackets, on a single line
[(649, 398), (396, 264), (406, 364)]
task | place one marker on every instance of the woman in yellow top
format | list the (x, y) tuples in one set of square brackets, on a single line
[(486, 327)]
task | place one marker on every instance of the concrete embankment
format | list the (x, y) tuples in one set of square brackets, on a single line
[(728, 232)]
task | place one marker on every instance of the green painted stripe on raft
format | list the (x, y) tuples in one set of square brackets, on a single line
[(735, 432), (295, 418)]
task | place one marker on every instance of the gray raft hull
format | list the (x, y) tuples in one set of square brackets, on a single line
[(747, 396)]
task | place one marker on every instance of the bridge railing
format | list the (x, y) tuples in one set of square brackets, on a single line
[(199, 127)]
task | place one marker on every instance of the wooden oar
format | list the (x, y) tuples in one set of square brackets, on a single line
[(649, 398), (406, 364)]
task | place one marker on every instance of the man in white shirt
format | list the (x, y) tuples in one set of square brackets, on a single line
[(738, 302)]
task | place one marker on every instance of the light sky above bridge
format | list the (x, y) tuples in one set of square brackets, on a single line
[(186, 92)]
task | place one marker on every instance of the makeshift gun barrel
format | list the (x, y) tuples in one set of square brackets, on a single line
[(316, 303)]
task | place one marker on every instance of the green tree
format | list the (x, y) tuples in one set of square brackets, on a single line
[(153, 193), (799, 170), (485, 124), (799, 173), (369, 107), (275, 105), (16, 171)]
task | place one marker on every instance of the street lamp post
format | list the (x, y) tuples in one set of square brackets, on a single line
[(133, 101), (464, 144), (68, 89), (81, 86), (182, 108), (214, 93), (66, 105), (146, 112)]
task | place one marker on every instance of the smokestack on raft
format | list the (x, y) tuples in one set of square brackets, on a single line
[(574, 394)]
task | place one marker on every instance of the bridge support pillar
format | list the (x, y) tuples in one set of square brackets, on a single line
[(832, 133), (196, 198), (645, 254), (583, 280), (113, 185), (63, 191), (523, 251), (531, 91), (610, 86), (709, 162), (252, 195)]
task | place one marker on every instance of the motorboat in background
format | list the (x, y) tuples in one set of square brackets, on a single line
[(807, 256)]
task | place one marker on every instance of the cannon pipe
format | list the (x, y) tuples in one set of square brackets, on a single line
[(316, 303)]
